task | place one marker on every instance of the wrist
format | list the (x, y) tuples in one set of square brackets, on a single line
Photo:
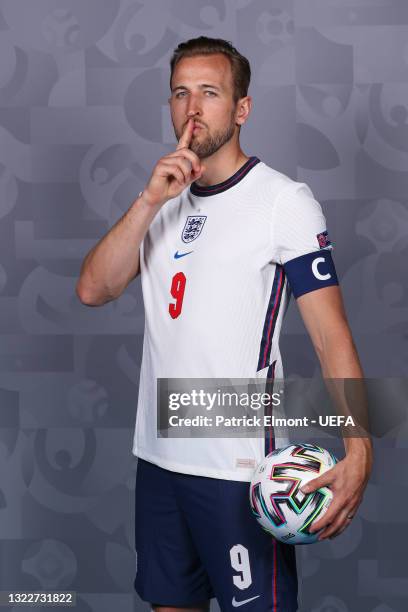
[(146, 200), (361, 447)]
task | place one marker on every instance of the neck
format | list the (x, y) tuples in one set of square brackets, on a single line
[(222, 164)]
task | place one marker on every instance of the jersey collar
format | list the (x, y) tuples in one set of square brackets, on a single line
[(208, 190)]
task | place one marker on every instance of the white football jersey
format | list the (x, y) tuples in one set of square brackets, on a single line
[(215, 264)]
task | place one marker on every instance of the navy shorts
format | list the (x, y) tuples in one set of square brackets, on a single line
[(196, 538)]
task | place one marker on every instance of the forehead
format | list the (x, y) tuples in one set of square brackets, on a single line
[(212, 69)]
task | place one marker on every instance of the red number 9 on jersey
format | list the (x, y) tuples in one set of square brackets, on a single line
[(178, 284)]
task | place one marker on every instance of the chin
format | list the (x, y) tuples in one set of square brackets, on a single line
[(199, 151)]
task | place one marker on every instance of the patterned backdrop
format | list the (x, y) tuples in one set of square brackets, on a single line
[(83, 118)]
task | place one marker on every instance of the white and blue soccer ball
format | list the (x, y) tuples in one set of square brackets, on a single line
[(276, 500)]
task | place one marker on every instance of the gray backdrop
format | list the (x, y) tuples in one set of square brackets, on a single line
[(83, 118)]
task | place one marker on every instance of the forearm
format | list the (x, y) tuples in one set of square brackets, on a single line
[(343, 373), (114, 261), (338, 355)]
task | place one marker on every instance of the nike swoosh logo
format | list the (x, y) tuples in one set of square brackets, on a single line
[(177, 255), (237, 604)]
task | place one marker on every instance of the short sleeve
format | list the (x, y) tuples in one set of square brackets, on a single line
[(301, 240)]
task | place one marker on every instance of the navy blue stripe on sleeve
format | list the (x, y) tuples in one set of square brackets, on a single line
[(310, 272)]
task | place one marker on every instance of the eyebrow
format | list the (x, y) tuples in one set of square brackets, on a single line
[(202, 86)]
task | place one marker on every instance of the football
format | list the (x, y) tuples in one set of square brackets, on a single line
[(275, 496)]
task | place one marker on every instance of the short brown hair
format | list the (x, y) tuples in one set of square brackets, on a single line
[(240, 68)]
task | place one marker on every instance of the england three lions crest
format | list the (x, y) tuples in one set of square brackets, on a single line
[(192, 228)]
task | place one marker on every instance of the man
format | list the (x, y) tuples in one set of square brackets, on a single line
[(218, 237)]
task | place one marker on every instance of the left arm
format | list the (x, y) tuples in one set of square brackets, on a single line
[(325, 319)]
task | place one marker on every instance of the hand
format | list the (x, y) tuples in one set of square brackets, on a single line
[(174, 172), (347, 480)]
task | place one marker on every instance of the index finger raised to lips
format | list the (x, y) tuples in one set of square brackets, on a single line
[(187, 154), (185, 138)]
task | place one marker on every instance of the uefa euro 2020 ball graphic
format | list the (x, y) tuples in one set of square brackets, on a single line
[(275, 496)]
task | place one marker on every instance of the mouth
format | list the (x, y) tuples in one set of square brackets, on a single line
[(197, 127), (195, 124)]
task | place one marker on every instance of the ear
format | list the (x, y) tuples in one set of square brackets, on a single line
[(243, 109)]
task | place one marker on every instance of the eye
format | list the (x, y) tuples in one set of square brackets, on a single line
[(179, 94), (211, 93)]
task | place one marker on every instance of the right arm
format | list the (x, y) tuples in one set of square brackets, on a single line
[(114, 261)]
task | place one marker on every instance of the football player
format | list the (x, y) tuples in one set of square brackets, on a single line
[(220, 239)]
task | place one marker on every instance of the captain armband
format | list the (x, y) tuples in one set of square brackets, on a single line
[(310, 272)]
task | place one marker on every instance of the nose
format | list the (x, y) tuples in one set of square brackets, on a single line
[(193, 108)]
